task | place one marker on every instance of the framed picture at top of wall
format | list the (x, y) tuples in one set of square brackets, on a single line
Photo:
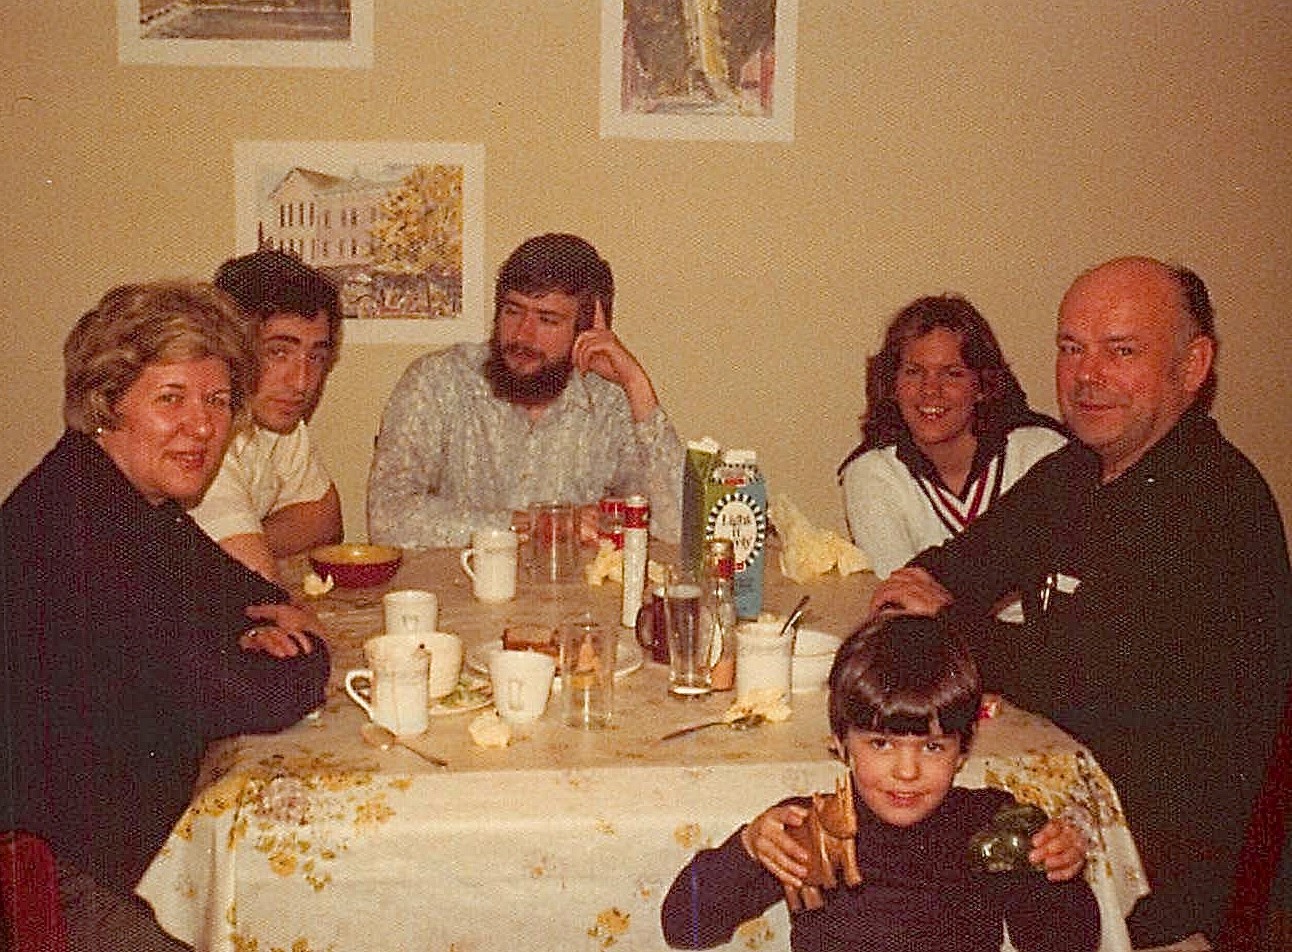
[(698, 69), (397, 226), (321, 33)]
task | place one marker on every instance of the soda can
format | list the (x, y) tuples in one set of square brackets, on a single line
[(610, 520), (636, 512), (636, 549)]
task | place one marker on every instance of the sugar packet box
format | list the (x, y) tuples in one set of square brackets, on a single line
[(724, 495)]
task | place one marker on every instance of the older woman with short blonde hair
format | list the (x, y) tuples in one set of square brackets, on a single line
[(140, 324), (130, 638)]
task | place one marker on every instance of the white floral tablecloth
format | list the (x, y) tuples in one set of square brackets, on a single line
[(309, 841)]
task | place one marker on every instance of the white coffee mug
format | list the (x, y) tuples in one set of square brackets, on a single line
[(522, 683), (446, 661), (410, 611), (397, 675), (491, 563)]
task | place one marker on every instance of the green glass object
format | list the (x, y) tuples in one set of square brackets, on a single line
[(1003, 846)]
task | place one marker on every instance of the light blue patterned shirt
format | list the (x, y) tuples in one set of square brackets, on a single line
[(452, 458)]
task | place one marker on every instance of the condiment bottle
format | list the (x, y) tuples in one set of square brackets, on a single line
[(636, 546), (718, 612)]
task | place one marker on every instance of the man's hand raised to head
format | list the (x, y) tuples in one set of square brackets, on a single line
[(598, 350)]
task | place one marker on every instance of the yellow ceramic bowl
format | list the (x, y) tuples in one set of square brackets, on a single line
[(356, 564)]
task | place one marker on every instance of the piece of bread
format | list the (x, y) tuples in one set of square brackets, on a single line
[(531, 637)]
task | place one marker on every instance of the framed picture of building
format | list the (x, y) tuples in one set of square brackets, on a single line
[(698, 69), (398, 226), (320, 33)]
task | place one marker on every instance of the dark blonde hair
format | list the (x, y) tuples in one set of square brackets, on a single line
[(905, 674), (136, 325), (1003, 405)]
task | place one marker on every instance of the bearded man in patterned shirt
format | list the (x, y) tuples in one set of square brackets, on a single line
[(553, 408)]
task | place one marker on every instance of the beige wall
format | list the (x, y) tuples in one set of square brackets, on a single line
[(990, 148)]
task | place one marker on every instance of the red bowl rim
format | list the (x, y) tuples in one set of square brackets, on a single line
[(356, 555)]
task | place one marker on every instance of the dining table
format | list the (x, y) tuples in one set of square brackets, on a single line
[(566, 839)]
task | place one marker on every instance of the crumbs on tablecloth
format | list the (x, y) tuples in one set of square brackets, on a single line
[(611, 924), (767, 703)]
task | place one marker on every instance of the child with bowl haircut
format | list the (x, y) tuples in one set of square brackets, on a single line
[(904, 699)]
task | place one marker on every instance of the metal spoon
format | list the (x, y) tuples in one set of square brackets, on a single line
[(741, 723), (383, 738), (793, 617)]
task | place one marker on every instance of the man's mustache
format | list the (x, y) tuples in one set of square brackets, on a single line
[(521, 350)]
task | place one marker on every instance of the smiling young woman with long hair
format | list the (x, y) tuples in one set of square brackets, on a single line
[(945, 431)]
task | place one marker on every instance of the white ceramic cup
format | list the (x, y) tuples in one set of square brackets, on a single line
[(397, 675), (491, 563), (410, 611), (522, 683), (763, 658), (446, 661)]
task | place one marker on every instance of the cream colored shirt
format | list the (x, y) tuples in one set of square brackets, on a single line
[(262, 472)]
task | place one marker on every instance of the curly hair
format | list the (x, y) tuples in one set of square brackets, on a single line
[(136, 325)]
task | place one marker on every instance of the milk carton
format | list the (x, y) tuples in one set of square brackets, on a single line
[(724, 494), (736, 509)]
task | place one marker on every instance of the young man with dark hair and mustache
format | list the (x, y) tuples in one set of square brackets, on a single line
[(553, 408)]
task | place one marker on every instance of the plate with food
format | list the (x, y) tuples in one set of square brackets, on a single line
[(470, 694), (628, 655)]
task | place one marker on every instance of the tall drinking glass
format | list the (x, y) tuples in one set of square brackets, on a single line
[(587, 673), (689, 642)]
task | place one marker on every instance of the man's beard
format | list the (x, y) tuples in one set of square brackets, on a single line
[(530, 390)]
